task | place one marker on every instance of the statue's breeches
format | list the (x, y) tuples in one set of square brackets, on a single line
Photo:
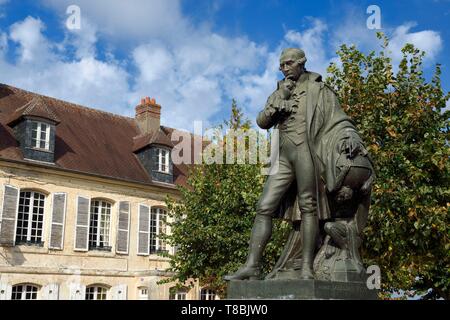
[(295, 165)]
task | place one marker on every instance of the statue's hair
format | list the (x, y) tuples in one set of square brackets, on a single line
[(299, 53)]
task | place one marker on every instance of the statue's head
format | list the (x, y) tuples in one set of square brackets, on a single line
[(292, 63)]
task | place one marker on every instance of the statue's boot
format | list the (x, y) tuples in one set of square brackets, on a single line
[(246, 272), (261, 233), (310, 228)]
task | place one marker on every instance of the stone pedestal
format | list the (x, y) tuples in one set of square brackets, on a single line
[(299, 289)]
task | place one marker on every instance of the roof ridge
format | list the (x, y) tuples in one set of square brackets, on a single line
[(73, 104)]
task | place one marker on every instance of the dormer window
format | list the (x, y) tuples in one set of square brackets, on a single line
[(34, 126), (40, 135), (154, 148), (163, 160)]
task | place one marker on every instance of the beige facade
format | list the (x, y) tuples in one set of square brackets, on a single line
[(66, 273)]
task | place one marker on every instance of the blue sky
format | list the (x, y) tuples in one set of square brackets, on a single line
[(194, 56)]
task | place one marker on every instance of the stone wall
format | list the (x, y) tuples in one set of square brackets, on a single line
[(44, 266)]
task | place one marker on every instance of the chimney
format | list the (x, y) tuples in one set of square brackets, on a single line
[(148, 116)]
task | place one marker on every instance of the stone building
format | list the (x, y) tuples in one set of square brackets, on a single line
[(82, 201)]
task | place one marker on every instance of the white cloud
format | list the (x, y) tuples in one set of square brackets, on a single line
[(42, 69), (312, 42), (191, 71), (131, 19), (88, 82), (154, 62), (33, 46), (426, 40), (83, 41), (191, 80), (353, 30), (253, 89)]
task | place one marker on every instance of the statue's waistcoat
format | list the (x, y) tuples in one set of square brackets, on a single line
[(294, 126)]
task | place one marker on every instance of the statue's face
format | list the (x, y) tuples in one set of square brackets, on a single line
[(290, 65)]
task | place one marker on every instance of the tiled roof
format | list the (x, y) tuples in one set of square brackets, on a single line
[(35, 107), (87, 140), (161, 137)]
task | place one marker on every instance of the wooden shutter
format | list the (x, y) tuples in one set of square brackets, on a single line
[(123, 229), (5, 291), (9, 215), (119, 292), (82, 225), (58, 219), (77, 291), (144, 230), (51, 292)]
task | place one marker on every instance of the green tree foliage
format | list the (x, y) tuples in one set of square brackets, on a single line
[(401, 117), (213, 220)]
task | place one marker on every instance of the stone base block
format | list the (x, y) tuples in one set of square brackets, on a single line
[(299, 289)]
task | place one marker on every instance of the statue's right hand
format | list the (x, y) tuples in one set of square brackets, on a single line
[(278, 102), (285, 88)]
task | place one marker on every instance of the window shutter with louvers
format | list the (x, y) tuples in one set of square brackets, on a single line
[(9, 215), (82, 225), (58, 219), (123, 227), (144, 230)]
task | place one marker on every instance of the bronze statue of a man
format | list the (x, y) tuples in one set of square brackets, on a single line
[(314, 134)]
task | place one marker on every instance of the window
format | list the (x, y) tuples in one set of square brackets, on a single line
[(143, 293), (177, 294), (99, 226), (163, 160), (24, 292), (157, 227), (96, 293), (30, 218), (40, 135), (207, 294)]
